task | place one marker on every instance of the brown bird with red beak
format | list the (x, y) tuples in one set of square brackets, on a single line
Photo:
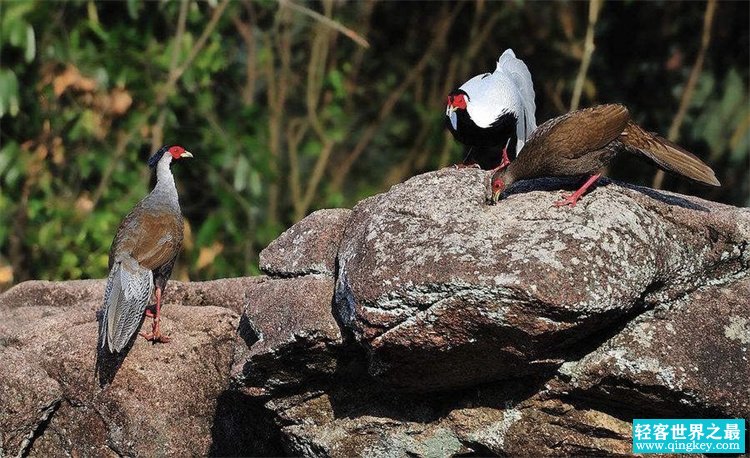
[(141, 258), (583, 141)]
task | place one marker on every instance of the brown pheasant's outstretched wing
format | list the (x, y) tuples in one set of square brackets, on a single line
[(667, 155), (579, 132)]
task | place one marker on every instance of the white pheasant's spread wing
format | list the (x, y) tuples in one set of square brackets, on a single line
[(489, 97)]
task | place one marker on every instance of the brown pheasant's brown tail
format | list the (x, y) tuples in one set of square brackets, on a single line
[(667, 155)]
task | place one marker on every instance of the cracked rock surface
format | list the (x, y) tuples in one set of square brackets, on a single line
[(308, 247), (445, 291), (420, 323)]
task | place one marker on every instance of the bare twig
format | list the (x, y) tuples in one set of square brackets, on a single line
[(157, 131), (438, 42), (312, 183), (687, 93), (295, 132), (588, 50), (122, 143), (277, 88), (346, 31), (197, 48), (246, 32), (172, 78), (359, 53)]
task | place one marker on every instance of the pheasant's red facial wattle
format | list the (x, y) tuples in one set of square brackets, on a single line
[(176, 151), (498, 186), (457, 101)]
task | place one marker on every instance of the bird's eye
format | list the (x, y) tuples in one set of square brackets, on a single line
[(497, 185)]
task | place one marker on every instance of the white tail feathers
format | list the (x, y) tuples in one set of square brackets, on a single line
[(128, 291), (519, 74)]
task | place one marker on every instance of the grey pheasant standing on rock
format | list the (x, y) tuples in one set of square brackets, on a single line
[(142, 256), (582, 142)]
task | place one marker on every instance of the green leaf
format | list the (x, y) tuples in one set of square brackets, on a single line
[(134, 7), (30, 50), (241, 174), (8, 93)]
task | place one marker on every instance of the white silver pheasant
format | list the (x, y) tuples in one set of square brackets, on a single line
[(494, 111)]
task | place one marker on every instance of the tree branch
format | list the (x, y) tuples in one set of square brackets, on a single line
[(438, 42), (687, 93), (588, 50), (349, 33)]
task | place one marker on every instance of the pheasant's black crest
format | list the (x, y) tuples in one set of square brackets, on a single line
[(153, 160)]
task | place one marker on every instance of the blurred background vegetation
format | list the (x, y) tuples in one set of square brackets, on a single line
[(294, 106)]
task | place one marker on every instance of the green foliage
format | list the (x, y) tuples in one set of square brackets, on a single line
[(285, 114), (718, 111)]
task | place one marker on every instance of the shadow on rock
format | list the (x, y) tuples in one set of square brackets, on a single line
[(668, 199), (107, 364), (367, 398), (572, 183), (243, 427)]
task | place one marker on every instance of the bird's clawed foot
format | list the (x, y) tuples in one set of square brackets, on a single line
[(570, 199), (155, 335), (573, 198), (154, 311), (470, 165)]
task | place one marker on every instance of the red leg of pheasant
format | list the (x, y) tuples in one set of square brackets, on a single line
[(573, 198), (155, 335), (505, 161)]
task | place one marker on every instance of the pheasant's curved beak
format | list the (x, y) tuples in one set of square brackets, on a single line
[(451, 113), (186, 154), (496, 196)]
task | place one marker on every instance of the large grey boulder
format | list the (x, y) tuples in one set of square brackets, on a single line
[(308, 247), (446, 291), (678, 359), (290, 333)]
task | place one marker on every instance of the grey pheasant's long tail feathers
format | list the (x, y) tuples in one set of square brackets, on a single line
[(668, 155), (125, 299)]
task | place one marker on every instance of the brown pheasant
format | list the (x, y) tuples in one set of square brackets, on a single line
[(582, 142), (141, 258)]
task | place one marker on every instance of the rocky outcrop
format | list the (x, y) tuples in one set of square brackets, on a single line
[(291, 333), (159, 400), (448, 292), (422, 322), (688, 357), (308, 247)]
